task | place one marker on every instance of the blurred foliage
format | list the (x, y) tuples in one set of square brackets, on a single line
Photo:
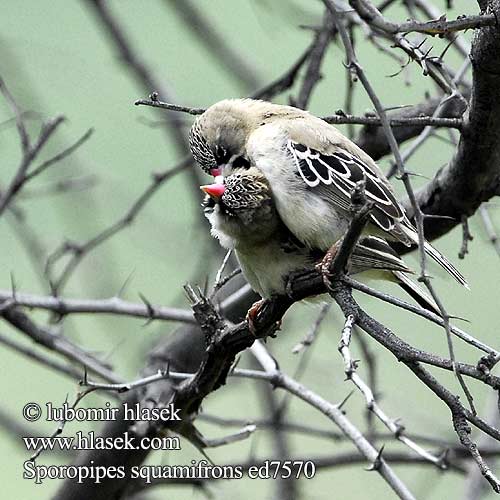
[(57, 59)]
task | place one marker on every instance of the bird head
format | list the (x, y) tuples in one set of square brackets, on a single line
[(219, 136), (240, 206)]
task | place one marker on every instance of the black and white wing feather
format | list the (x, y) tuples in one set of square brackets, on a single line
[(341, 170)]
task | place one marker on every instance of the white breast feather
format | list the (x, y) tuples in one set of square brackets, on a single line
[(311, 218)]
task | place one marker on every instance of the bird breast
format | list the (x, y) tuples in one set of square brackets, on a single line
[(307, 214), (267, 266)]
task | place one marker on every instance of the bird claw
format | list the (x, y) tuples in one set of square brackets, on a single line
[(324, 266), (252, 316)]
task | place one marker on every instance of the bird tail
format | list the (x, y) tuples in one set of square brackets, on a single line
[(437, 256), (422, 298)]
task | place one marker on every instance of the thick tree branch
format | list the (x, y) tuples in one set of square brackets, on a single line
[(473, 175)]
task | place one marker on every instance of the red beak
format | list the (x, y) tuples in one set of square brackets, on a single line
[(214, 190), (215, 172)]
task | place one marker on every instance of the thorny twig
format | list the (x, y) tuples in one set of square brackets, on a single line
[(393, 425), (225, 340), (357, 70), (78, 251)]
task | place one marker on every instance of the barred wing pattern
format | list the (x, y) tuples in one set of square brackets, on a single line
[(342, 170)]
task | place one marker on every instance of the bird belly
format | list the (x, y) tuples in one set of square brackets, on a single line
[(266, 267), (310, 217)]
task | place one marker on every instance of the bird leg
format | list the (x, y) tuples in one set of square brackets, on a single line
[(324, 266), (252, 314)]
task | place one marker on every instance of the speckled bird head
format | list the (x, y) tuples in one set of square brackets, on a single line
[(240, 207)]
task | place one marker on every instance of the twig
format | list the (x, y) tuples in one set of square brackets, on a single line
[(395, 122), (354, 65), (114, 305), (370, 359), (57, 343), (155, 103), (460, 415), (435, 27), (394, 426), (489, 228), (124, 386), (338, 119), (241, 435), (315, 60), (28, 157), (18, 116), (313, 331), (431, 11), (334, 413), (218, 276), (60, 156), (78, 251), (466, 238), (53, 364), (424, 313)]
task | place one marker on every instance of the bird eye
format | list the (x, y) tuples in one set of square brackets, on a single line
[(241, 162), (221, 154)]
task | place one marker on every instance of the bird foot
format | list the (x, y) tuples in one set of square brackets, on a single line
[(323, 267), (252, 316)]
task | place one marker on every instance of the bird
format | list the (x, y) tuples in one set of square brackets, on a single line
[(243, 217), (311, 168)]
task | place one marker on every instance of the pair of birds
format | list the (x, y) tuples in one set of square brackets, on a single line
[(282, 196)]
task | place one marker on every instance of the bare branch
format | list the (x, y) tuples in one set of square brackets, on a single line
[(53, 364), (19, 117), (315, 60), (155, 103), (79, 251), (440, 26), (489, 228), (113, 305), (394, 426), (57, 343), (28, 157), (60, 156), (340, 118)]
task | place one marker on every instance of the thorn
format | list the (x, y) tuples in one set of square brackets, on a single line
[(236, 362), (377, 462), (84, 381), (459, 318), (149, 307), (400, 428), (13, 286), (344, 401), (205, 287), (191, 295), (127, 281), (443, 459), (52, 287)]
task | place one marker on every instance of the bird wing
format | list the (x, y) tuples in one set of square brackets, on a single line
[(339, 170), (372, 252)]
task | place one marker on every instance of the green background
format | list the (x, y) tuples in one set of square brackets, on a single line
[(55, 59)]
